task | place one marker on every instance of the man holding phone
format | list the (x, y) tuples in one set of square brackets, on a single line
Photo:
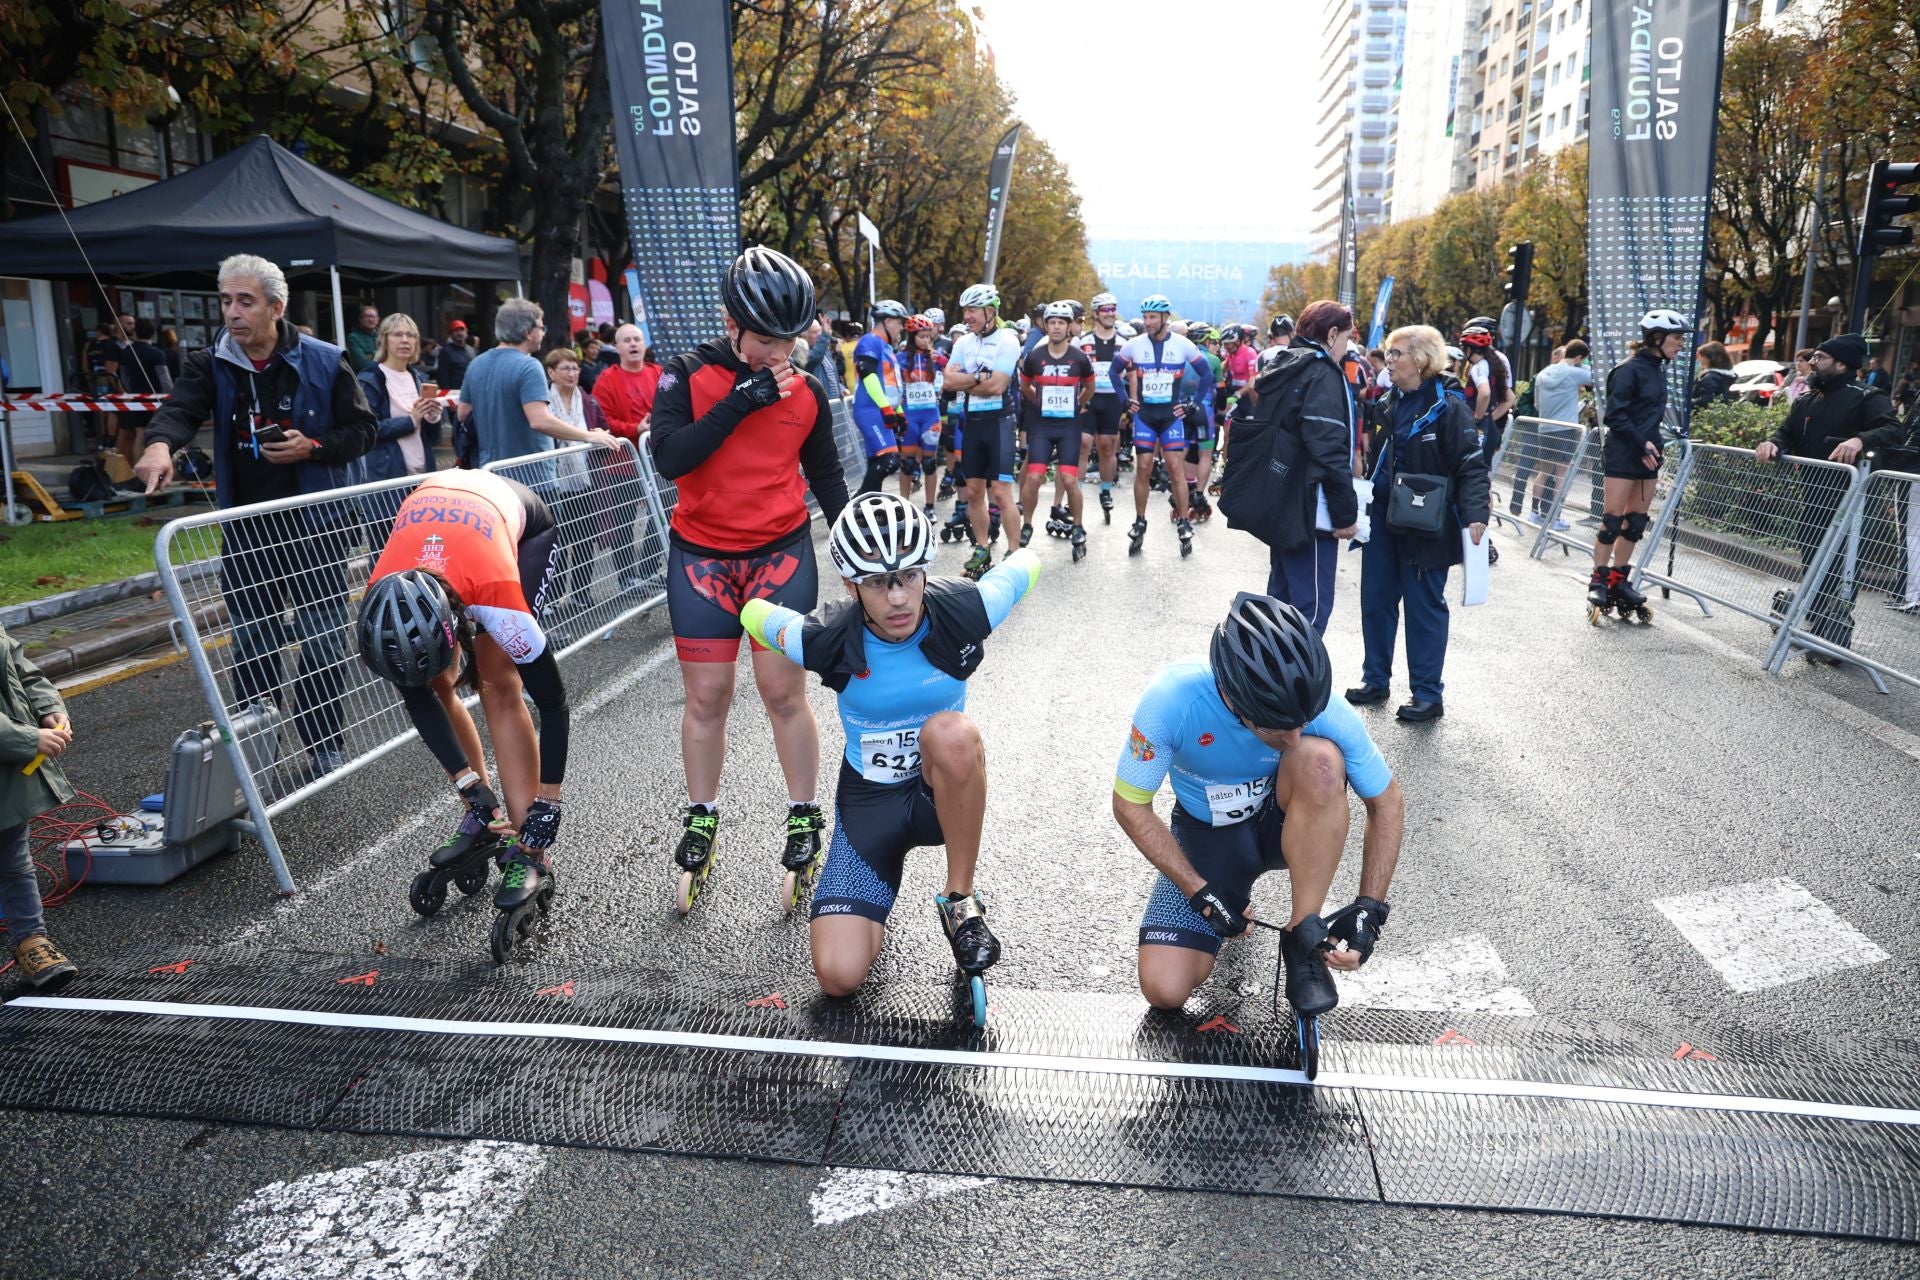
[(288, 419)]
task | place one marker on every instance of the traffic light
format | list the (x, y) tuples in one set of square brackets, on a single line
[(1878, 228), (1519, 272)]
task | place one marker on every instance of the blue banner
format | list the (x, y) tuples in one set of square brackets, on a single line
[(1379, 333)]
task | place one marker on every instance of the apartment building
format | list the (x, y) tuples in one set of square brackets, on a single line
[(1529, 84), (1361, 52)]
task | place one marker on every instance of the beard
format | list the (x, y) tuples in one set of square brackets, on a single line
[(1833, 378)]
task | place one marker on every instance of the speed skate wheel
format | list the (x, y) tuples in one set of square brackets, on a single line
[(978, 987), (1307, 1035)]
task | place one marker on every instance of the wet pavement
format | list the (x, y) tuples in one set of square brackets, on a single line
[(1582, 781)]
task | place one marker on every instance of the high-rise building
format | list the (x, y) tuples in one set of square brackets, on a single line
[(1427, 150), (1362, 45), (1525, 87)]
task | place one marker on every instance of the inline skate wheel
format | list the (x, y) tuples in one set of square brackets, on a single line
[(1307, 1036), (506, 930), (545, 900), (1593, 614), (1643, 613), (427, 894), (978, 987), (473, 880), (689, 892)]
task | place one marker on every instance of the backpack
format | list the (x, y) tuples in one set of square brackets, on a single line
[(1263, 490)]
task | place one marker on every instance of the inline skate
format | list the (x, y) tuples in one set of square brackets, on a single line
[(465, 858), (802, 857), (975, 949), (526, 879), (700, 831)]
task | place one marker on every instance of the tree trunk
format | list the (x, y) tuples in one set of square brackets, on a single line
[(556, 242)]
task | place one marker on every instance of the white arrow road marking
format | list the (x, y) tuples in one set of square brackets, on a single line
[(853, 1193), (430, 1215), (1458, 975), (1767, 933)]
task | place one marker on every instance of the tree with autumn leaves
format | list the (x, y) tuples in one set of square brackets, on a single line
[(882, 107)]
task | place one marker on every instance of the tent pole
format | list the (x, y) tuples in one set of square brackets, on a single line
[(518, 292), (339, 316)]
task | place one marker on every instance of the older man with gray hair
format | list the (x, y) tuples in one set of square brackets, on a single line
[(289, 420), (504, 398)]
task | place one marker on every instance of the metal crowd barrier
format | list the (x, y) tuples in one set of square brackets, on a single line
[(1748, 535), (1868, 609), (1529, 477), (252, 587)]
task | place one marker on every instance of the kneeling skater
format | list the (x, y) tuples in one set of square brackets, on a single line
[(898, 653), (1261, 761)]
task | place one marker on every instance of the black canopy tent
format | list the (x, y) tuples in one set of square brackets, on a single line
[(258, 198)]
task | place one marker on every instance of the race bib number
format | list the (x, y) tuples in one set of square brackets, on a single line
[(1232, 802), (893, 756), (1102, 371), (1156, 386), (921, 395), (1056, 402), (985, 404)]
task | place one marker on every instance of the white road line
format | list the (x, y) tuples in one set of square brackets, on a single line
[(1767, 933), (1458, 975), (977, 1058), (845, 1194), (436, 810), (428, 1215)]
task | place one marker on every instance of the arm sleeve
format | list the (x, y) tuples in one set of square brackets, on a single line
[(1007, 583), (819, 458), (679, 443), (1117, 373), (41, 695), (1468, 465), (1148, 755), (1202, 380), (354, 429), (775, 626), (541, 678), (1326, 425), (190, 403), (436, 730)]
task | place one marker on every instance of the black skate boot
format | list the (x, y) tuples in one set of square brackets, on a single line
[(1106, 505), (1185, 530), (1626, 600), (1310, 988), (1136, 535), (1599, 599), (526, 879), (975, 949), (802, 857), (695, 853), (466, 857), (1078, 538)]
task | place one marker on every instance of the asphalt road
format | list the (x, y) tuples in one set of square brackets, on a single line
[(1579, 775)]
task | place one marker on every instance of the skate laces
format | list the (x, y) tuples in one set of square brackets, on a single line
[(701, 823), (804, 821)]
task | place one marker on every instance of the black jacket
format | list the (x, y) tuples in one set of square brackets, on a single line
[(1711, 387), (1825, 417), (1637, 399), (1422, 442), (834, 637), (1295, 443)]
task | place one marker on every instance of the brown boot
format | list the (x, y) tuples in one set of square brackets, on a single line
[(41, 964)]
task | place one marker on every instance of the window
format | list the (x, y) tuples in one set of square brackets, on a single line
[(1556, 75), (81, 129), (1566, 116), (17, 345), (1548, 130)]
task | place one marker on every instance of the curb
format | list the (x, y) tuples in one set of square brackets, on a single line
[(98, 650), (63, 603)]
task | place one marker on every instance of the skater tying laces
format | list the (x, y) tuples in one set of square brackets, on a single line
[(1636, 411), (453, 601), (735, 424), (898, 653), (1260, 761)]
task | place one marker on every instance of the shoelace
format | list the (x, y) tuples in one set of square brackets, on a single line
[(803, 823), (37, 951)]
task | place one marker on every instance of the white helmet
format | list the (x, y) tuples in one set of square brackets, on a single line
[(936, 315), (981, 295), (1105, 300), (1023, 324), (1664, 320), (956, 331), (1125, 330), (880, 533), (1058, 311)]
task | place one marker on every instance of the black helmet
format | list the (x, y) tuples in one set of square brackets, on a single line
[(768, 293), (1280, 324), (407, 628), (1269, 663)]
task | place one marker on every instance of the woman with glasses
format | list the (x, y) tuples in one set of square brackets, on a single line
[(898, 651)]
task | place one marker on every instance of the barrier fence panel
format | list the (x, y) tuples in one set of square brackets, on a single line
[(1872, 614), (1748, 535), (1676, 464), (611, 563), (265, 598), (1529, 474)]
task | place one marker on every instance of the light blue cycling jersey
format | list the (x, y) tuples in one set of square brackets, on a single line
[(998, 352), (883, 708), (1221, 771)]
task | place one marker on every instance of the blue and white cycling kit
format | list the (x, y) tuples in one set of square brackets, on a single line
[(987, 452), (876, 388), (1223, 775), (882, 806), (1166, 372)]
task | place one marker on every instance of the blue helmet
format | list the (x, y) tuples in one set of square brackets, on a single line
[(1156, 302)]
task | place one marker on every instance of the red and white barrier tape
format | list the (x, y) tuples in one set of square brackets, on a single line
[(76, 404)]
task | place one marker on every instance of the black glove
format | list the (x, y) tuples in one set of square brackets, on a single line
[(1228, 922), (542, 824), (757, 391), (893, 418), (1358, 925)]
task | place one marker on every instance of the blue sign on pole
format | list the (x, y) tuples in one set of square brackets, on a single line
[(1379, 333)]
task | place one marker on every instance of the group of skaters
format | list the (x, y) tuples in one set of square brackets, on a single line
[(1258, 754)]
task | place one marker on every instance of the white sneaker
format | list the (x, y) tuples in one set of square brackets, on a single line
[(1534, 517)]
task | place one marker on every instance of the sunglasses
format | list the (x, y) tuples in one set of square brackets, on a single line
[(906, 579)]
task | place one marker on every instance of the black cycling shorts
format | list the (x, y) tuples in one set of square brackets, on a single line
[(1105, 414), (1624, 458), (539, 553), (1053, 439), (986, 446), (874, 825), (1228, 858), (706, 593)]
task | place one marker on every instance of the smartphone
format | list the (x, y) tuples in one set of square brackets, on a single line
[(272, 435), (430, 389)]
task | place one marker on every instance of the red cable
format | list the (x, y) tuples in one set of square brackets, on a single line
[(48, 837)]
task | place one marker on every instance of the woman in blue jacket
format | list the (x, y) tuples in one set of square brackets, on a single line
[(409, 423)]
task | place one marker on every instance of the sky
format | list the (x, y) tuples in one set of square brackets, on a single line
[(1211, 161)]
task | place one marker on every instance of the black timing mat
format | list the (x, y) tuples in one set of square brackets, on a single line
[(1479, 1111)]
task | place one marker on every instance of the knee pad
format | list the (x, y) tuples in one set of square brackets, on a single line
[(1609, 529), (1636, 526)]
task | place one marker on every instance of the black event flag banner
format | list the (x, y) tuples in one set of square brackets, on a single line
[(670, 63), (1346, 290), (1656, 92), (999, 181)]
